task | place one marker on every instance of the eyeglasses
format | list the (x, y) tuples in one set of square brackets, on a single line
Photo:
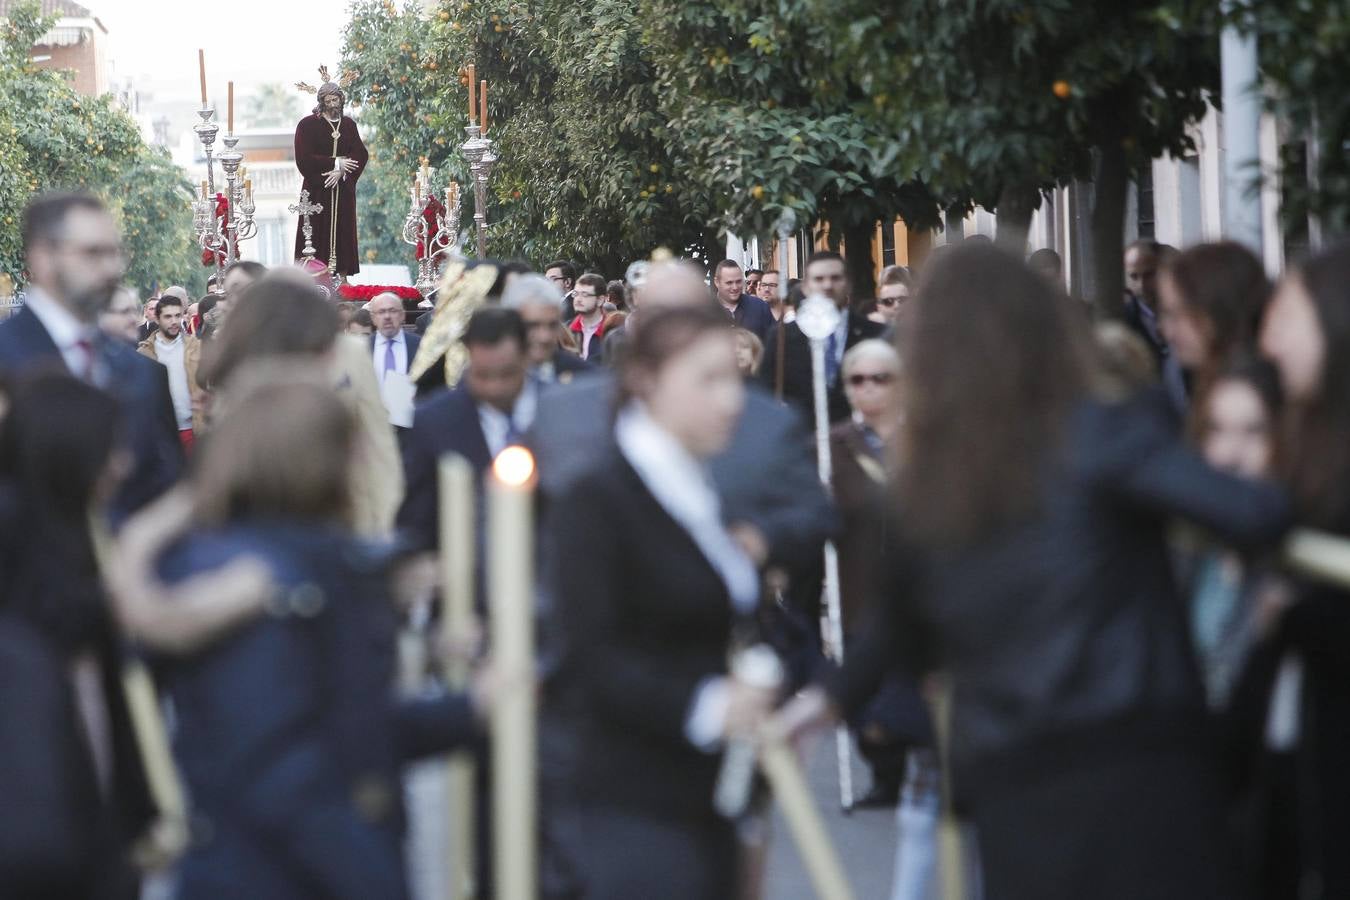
[(880, 379)]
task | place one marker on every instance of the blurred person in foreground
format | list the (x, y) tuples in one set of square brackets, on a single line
[(74, 789), (1029, 565), (287, 732), (282, 329), (73, 252), (1210, 301), (1235, 425), (650, 684), (1294, 692)]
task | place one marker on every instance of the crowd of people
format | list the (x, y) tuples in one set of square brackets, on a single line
[(1064, 532)]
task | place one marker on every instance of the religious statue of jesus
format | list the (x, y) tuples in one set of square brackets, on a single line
[(331, 157)]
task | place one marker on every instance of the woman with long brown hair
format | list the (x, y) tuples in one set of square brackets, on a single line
[(1301, 785), (1031, 568)]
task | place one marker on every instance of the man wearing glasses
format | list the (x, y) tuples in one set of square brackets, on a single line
[(768, 292)]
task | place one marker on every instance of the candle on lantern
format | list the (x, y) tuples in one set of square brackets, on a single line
[(482, 106), (203, 190), (458, 551), (229, 125), (248, 188), (473, 97), (510, 491), (449, 199), (201, 72)]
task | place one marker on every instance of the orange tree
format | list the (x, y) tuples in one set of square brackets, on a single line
[(54, 138), (587, 161), (1003, 99), (766, 125)]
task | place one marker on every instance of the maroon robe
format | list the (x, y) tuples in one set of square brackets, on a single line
[(313, 157)]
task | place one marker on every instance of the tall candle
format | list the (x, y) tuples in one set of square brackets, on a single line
[(248, 188), (201, 72), (203, 190), (482, 105), (473, 96), (458, 552), (511, 620), (230, 115)]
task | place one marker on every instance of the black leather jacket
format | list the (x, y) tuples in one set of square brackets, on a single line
[(1067, 631)]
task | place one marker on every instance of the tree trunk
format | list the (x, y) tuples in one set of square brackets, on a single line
[(861, 268), (1110, 183), (1016, 205)]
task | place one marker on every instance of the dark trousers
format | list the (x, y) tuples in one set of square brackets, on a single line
[(1134, 825), (626, 855)]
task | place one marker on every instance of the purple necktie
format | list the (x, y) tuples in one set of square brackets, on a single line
[(388, 355)]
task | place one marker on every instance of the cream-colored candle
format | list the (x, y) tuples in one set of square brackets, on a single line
[(473, 96), (510, 492), (457, 622), (201, 72), (794, 800), (230, 107)]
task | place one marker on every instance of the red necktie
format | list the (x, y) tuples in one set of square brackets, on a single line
[(84, 369)]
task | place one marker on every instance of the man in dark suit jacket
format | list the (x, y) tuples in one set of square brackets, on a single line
[(74, 254), (748, 311), (489, 409), (825, 274)]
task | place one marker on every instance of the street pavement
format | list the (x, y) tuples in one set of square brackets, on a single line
[(864, 839)]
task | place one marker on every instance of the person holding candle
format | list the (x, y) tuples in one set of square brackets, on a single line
[(1027, 561), (288, 735), (647, 617)]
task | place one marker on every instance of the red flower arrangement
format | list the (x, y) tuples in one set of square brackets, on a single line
[(223, 216), (366, 292)]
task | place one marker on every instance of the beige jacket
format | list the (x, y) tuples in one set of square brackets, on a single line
[(192, 356)]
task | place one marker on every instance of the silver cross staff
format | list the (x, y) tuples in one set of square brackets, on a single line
[(305, 209), (818, 318)]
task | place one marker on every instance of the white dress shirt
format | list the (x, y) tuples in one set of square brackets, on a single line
[(400, 353), (497, 425), (172, 355), (65, 330)]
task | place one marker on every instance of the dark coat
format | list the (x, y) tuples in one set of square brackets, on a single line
[(313, 157), (141, 386), (754, 315), (1295, 809), (288, 736), (59, 836), (445, 423), (1070, 623), (859, 483), (646, 620), (1075, 684), (797, 378), (567, 365)]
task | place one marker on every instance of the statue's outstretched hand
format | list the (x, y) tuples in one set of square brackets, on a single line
[(330, 179)]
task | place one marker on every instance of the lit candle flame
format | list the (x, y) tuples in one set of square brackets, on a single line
[(514, 466)]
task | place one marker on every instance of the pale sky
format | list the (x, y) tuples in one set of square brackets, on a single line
[(155, 43)]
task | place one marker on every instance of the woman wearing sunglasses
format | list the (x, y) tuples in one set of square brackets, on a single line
[(893, 722)]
